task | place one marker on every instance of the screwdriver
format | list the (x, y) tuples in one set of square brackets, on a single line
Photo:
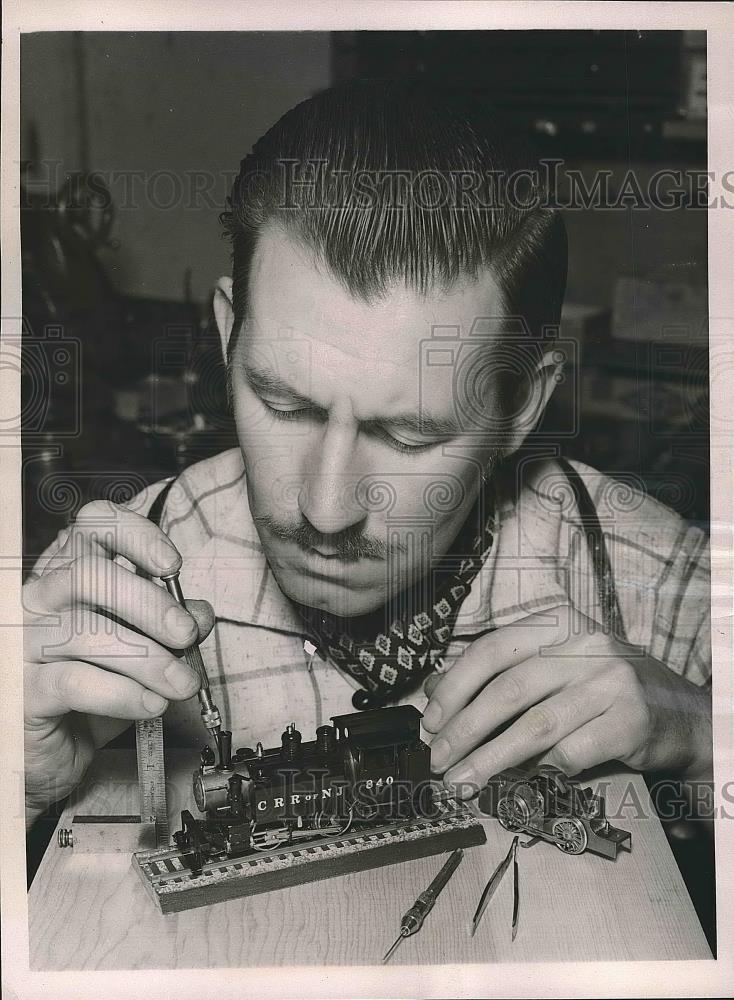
[(413, 919), (209, 712)]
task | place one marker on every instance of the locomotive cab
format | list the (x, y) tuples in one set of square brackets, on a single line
[(389, 764)]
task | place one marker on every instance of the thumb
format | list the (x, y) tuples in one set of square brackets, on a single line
[(203, 613)]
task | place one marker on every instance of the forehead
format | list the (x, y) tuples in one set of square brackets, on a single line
[(299, 309)]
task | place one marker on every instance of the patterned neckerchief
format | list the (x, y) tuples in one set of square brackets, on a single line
[(411, 645)]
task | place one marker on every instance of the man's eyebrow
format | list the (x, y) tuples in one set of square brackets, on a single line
[(267, 381)]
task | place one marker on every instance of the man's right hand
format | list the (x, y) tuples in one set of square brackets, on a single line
[(79, 662)]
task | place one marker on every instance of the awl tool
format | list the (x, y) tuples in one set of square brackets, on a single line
[(413, 920)]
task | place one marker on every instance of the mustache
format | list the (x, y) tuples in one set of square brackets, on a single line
[(348, 545)]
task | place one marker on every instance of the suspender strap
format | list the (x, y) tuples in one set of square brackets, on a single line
[(155, 513), (606, 591), (156, 508)]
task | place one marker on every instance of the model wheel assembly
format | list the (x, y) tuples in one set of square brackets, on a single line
[(513, 813), (572, 832)]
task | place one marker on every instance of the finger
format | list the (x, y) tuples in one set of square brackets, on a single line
[(594, 743), (500, 701), (489, 656), (85, 635), (536, 731), (430, 686), (203, 614), (75, 686), (96, 582), (105, 526)]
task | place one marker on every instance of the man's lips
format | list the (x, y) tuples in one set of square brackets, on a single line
[(328, 564), (324, 555), (327, 567)]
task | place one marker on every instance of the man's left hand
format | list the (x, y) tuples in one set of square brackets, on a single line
[(569, 693)]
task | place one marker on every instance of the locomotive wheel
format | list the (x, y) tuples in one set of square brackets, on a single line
[(573, 832), (513, 813)]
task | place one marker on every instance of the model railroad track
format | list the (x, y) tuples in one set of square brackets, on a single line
[(175, 887)]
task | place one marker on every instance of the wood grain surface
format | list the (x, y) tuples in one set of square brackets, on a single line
[(90, 911)]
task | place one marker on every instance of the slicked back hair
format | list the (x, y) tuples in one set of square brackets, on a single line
[(388, 182)]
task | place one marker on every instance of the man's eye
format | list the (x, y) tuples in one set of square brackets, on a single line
[(287, 414), (397, 444), (301, 412)]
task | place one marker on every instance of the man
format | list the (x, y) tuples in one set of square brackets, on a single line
[(386, 330)]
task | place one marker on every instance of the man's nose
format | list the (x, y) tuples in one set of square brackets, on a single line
[(328, 495)]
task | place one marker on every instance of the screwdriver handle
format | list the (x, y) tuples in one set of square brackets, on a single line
[(446, 872), (192, 655), (424, 902), (210, 715), (413, 919), (174, 587)]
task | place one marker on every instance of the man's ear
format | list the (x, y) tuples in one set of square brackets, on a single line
[(224, 312), (532, 398)]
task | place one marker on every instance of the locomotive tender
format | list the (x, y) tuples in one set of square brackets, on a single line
[(366, 769)]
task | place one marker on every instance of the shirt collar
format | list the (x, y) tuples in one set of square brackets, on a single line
[(230, 567)]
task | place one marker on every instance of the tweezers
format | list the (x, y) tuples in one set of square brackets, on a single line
[(491, 886), (515, 890)]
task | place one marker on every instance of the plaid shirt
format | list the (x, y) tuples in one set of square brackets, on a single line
[(261, 676)]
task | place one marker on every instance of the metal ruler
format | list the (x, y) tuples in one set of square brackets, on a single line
[(152, 776)]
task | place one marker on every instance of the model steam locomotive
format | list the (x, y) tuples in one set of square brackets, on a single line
[(365, 769)]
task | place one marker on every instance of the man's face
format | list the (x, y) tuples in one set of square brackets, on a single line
[(361, 467)]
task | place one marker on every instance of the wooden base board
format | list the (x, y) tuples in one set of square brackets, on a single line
[(173, 887)]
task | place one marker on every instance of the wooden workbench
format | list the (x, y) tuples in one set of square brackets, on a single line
[(90, 911)]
